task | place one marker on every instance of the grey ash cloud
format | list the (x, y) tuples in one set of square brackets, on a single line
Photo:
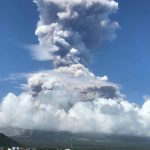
[(69, 32)]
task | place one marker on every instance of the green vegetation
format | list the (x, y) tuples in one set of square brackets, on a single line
[(6, 141)]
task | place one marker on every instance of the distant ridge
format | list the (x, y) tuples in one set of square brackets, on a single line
[(82, 141), (6, 141)]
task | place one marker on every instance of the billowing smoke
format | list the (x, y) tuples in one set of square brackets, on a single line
[(71, 97), (69, 31)]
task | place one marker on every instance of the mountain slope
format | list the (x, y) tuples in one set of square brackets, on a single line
[(83, 141), (6, 141)]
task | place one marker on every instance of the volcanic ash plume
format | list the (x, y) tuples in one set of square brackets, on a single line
[(69, 31), (70, 97), (73, 99)]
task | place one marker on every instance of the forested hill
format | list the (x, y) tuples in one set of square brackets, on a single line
[(6, 141)]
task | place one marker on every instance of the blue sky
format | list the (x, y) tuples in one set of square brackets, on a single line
[(125, 60)]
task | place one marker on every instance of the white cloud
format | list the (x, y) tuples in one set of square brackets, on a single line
[(81, 101)]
